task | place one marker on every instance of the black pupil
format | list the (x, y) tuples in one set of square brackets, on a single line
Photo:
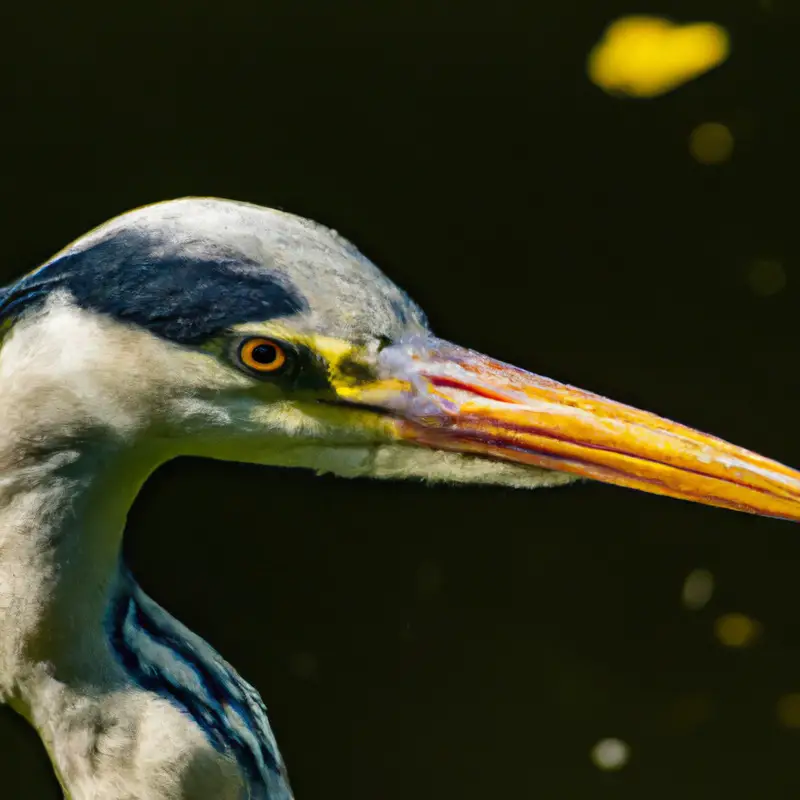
[(264, 354)]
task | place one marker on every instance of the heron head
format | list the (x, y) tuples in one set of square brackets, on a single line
[(215, 328)]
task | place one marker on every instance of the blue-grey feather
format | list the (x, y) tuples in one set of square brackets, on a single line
[(198, 681)]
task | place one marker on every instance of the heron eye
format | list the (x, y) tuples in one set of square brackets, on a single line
[(262, 355)]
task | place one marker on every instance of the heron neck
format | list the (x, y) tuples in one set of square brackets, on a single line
[(62, 516)]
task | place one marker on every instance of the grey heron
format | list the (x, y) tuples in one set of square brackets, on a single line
[(215, 328)]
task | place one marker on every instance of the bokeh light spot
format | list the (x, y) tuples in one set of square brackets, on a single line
[(610, 754), (711, 143), (789, 710), (766, 277), (697, 589), (736, 630), (645, 56)]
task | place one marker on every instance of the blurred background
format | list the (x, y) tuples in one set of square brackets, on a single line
[(636, 236)]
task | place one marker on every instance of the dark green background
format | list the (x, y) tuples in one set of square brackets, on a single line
[(417, 642)]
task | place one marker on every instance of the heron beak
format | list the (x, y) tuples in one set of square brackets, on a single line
[(449, 398)]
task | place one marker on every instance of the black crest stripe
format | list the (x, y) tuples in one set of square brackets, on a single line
[(183, 298)]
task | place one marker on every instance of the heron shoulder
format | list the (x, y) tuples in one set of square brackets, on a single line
[(164, 657)]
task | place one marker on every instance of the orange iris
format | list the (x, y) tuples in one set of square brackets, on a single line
[(262, 355)]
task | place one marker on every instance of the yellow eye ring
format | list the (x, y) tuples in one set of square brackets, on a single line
[(262, 355)]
